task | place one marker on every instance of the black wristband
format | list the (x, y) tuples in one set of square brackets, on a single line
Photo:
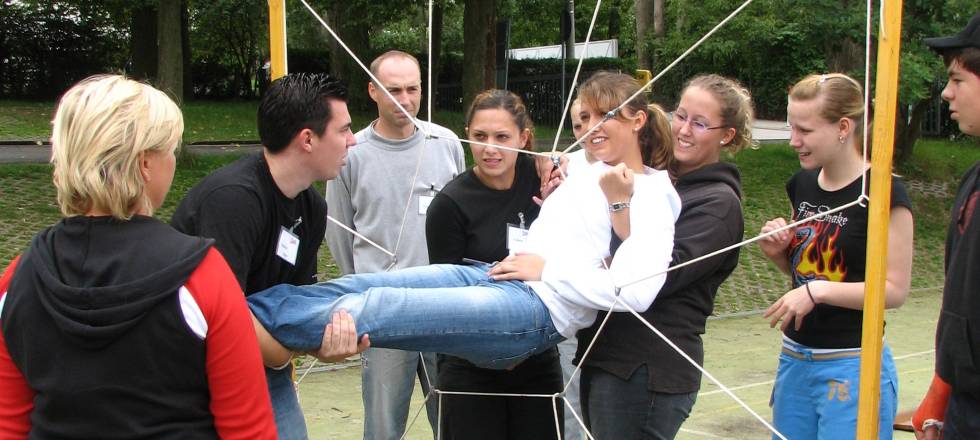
[(808, 292)]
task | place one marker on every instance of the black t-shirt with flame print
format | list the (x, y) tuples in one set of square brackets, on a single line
[(831, 248)]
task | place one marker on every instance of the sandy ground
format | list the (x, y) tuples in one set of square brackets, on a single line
[(741, 352)]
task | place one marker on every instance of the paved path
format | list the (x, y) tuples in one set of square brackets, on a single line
[(40, 152)]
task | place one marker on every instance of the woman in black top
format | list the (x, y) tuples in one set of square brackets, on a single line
[(482, 215), (817, 381)]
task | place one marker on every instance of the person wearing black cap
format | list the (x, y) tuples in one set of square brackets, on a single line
[(950, 406)]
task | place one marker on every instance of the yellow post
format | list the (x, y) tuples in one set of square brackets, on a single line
[(886, 98), (644, 76), (277, 37)]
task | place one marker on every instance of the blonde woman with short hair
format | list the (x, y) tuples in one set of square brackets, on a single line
[(114, 324)]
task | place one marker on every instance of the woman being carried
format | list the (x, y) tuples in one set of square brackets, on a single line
[(497, 315)]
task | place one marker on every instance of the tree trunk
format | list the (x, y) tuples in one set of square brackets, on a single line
[(342, 65), (845, 57), (185, 44), (570, 37), (644, 16), (437, 19), (143, 42), (479, 50), (170, 62), (658, 19), (615, 20), (908, 129)]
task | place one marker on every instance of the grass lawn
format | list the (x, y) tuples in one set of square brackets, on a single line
[(203, 121)]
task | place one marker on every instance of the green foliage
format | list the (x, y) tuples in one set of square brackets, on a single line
[(45, 46), (536, 22), (763, 47), (768, 49), (226, 37)]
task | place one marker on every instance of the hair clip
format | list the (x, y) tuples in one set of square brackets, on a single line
[(823, 79)]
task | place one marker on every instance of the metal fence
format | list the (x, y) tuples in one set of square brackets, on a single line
[(936, 121), (542, 94)]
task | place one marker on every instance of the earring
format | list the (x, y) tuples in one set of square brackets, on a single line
[(635, 129), (841, 139), (722, 142)]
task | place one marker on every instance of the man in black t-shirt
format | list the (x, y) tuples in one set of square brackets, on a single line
[(953, 401), (266, 218)]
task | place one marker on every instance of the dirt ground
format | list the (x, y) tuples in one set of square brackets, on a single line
[(741, 352)]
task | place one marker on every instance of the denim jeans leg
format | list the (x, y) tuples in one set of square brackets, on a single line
[(626, 409), (387, 383), (492, 324), (296, 315), (429, 379), (566, 351), (290, 424)]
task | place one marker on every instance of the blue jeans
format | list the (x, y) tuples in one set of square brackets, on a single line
[(566, 350), (816, 395), (626, 409), (387, 384), (441, 308), (290, 424)]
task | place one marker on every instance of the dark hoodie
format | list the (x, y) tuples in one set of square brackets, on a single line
[(93, 321), (710, 219)]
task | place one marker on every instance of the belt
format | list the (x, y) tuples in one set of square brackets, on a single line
[(822, 356)]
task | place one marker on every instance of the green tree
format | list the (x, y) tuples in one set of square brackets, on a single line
[(234, 34), (46, 46), (170, 55), (921, 69)]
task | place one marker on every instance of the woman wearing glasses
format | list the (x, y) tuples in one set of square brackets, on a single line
[(633, 384), (815, 394)]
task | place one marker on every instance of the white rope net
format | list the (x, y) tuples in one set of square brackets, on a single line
[(393, 252)]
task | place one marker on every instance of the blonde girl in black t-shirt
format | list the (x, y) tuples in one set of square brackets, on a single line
[(816, 389)]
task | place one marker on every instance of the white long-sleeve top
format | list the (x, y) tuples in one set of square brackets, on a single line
[(573, 232)]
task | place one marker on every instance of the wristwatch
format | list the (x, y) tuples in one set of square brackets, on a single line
[(618, 206)]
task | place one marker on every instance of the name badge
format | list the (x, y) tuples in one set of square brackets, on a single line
[(516, 238), (424, 202), (426, 199), (288, 246)]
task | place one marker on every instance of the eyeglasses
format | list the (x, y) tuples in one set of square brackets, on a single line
[(697, 126)]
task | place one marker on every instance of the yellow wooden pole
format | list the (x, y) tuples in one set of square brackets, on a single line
[(886, 98), (277, 55), (277, 37)]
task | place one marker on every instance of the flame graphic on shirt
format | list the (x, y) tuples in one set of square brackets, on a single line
[(815, 256)]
